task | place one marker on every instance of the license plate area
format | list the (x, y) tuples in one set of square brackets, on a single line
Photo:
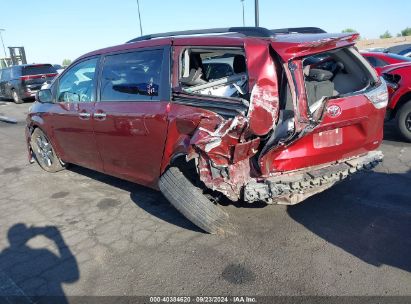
[(328, 138)]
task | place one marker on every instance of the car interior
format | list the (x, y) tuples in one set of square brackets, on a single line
[(332, 74), (329, 74), (214, 72)]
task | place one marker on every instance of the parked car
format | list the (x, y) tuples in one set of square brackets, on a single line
[(402, 49), (271, 125), (21, 82), (379, 60), (398, 78), (59, 68)]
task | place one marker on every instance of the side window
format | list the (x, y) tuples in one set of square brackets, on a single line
[(15, 72), (376, 62), (381, 62), (5, 75), (131, 76), (77, 85), (372, 61)]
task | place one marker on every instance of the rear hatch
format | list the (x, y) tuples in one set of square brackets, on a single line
[(34, 76), (332, 103)]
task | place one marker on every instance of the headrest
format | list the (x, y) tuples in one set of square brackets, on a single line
[(319, 75)]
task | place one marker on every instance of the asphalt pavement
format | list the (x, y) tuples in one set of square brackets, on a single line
[(79, 232)]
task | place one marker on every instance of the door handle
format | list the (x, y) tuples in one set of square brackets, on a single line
[(100, 115), (84, 115)]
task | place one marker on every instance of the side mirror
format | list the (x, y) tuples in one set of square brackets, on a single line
[(44, 96)]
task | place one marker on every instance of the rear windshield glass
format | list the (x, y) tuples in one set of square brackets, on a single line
[(39, 69)]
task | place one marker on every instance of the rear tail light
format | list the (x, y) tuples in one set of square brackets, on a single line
[(28, 77), (379, 96), (24, 78)]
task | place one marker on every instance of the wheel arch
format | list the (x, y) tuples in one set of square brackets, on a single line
[(180, 161), (405, 98), (38, 124)]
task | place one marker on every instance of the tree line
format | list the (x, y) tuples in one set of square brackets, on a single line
[(386, 34)]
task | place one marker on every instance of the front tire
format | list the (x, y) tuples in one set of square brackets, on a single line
[(44, 152), (192, 203), (403, 120), (16, 97)]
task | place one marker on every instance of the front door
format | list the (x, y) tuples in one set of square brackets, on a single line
[(71, 115), (130, 119)]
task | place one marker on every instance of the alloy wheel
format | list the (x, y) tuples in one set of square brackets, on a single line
[(45, 151), (408, 122)]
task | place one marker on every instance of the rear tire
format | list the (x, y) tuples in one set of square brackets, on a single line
[(44, 152), (192, 203), (16, 97), (403, 120)]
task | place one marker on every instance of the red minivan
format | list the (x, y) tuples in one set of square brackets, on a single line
[(245, 113)]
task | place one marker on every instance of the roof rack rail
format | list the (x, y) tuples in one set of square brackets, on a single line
[(299, 30), (249, 31)]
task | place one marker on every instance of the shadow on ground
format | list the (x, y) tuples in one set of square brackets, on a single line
[(151, 201), (368, 216), (36, 272), (392, 134)]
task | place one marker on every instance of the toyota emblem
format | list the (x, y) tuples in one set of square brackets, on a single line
[(333, 111)]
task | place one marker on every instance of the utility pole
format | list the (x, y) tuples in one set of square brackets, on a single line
[(139, 18), (257, 22), (2, 42), (242, 2)]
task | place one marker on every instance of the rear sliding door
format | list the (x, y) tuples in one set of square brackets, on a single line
[(130, 119)]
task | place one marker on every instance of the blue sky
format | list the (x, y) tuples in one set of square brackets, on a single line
[(52, 30)]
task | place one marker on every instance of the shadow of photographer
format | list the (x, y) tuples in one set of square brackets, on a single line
[(36, 272)]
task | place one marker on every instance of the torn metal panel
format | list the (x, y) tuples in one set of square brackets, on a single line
[(264, 102), (224, 156), (218, 141), (263, 111), (295, 72), (228, 180)]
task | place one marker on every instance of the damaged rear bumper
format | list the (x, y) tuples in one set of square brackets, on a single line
[(294, 187)]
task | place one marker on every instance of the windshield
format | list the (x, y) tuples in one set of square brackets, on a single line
[(39, 69)]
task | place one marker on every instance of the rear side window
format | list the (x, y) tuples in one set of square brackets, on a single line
[(15, 72), (5, 76), (39, 69), (131, 76), (375, 62), (215, 72)]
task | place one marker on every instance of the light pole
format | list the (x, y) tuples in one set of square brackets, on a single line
[(256, 13), (242, 2), (139, 18), (2, 42)]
